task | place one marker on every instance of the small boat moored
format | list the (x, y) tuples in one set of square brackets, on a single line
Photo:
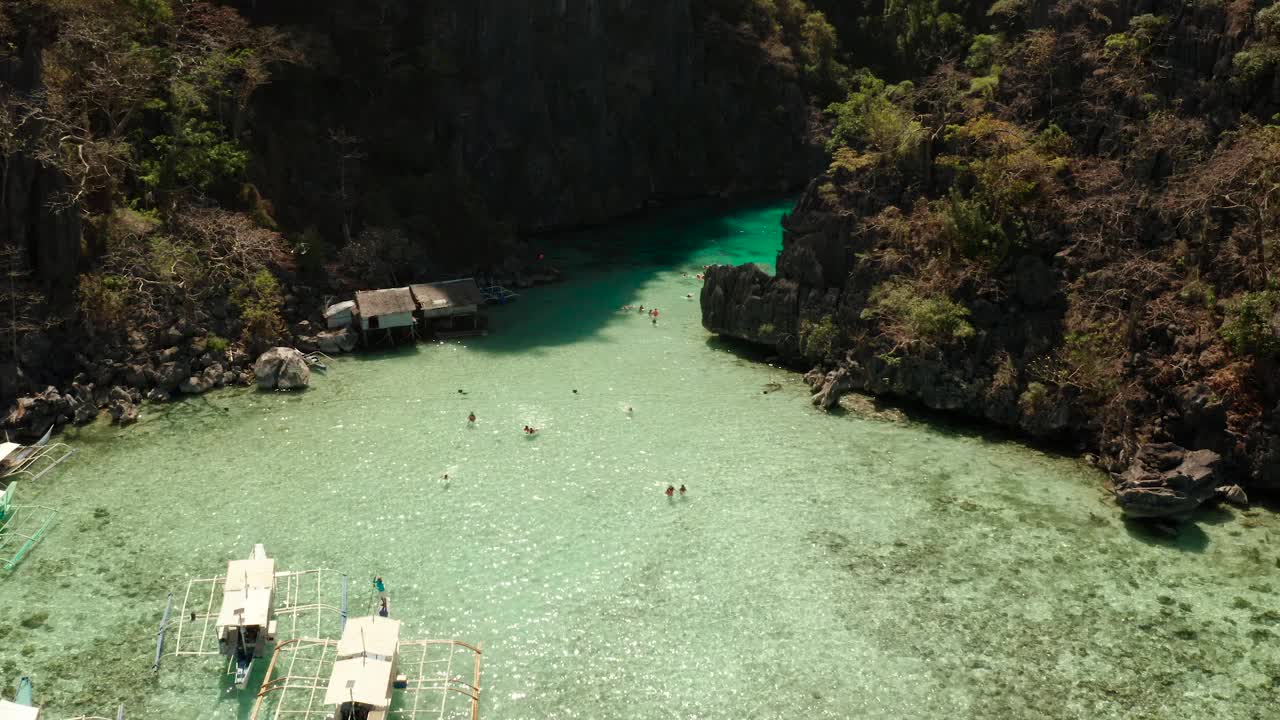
[(23, 705), (32, 461), (246, 623)]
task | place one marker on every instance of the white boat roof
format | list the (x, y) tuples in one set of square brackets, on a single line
[(361, 680), (246, 597), (369, 636), (7, 449), (339, 308), (14, 711), (256, 573)]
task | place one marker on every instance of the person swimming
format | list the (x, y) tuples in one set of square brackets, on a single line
[(682, 490), (671, 491), (472, 417), (689, 296)]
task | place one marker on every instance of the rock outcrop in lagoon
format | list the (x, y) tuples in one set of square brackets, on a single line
[(282, 368), (1023, 253), (1166, 480)]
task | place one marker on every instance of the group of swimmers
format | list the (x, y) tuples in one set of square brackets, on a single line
[(471, 420), (653, 312), (671, 490)]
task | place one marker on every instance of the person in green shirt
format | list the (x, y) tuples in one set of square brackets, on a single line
[(382, 589)]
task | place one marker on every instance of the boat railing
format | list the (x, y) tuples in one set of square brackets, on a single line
[(33, 461), (22, 527)]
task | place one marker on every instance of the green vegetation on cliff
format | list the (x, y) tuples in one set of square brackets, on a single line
[(141, 107), (1060, 217)]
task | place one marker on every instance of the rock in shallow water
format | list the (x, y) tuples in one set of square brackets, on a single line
[(1165, 479), (332, 342), (282, 368)]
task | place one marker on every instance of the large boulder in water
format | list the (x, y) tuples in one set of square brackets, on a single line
[(1165, 479), (282, 368)]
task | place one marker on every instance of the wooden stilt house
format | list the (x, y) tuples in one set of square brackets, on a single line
[(386, 315), (449, 309)]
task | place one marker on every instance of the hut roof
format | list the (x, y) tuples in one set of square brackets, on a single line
[(373, 303), (454, 293)]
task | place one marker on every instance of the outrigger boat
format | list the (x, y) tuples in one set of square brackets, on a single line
[(258, 604), (32, 461), (23, 705), (439, 679), (364, 674), (246, 622), (21, 527)]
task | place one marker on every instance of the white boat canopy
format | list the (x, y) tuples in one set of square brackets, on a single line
[(372, 637), (246, 597), (360, 680)]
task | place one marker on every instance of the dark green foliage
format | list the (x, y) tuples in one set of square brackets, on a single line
[(973, 230), (871, 117), (1247, 328), (817, 339), (914, 315), (982, 53), (260, 302), (199, 156)]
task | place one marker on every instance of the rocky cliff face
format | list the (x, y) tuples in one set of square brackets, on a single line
[(545, 114), (1084, 284), (45, 240)]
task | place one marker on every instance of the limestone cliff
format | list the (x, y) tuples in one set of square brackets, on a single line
[(542, 114), (1063, 238)]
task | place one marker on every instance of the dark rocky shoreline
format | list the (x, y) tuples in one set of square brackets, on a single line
[(1152, 476), (116, 377)]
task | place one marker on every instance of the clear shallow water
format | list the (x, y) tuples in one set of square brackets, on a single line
[(821, 567)]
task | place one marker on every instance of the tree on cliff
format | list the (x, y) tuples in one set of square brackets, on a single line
[(141, 106), (144, 102)]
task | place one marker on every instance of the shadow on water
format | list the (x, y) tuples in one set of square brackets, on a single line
[(610, 266), (941, 422), (1185, 536), (743, 350), (381, 353)]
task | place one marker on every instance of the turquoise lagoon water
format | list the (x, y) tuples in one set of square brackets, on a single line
[(822, 566)]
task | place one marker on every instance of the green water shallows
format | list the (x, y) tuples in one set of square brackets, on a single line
[(821, 566)]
